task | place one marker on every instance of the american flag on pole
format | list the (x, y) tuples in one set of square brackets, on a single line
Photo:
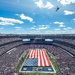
[(41, 55)]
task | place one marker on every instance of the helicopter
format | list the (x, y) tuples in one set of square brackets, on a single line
[(57, 8)]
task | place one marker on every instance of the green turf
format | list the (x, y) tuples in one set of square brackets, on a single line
[(20, 64)]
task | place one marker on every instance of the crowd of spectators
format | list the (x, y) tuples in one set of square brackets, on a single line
[(9, 60), (6, 40), (7, 47), (71, 41), (68, 49)]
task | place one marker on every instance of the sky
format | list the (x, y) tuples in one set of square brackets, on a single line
[(37, 17)]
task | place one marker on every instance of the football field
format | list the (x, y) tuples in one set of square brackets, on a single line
[(37, 61)]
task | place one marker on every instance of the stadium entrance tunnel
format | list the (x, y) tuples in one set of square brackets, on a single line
[(37, 61)]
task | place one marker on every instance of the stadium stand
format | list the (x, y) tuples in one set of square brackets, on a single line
[(11, 52)]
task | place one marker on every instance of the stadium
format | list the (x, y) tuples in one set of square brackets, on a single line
[(37, 37), (21, 56)]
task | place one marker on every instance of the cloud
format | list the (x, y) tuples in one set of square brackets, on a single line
[(66, 2), (67, 28), (22, 16), (40, 4), (6, 23), (74, 19), (33, 28), (61, 23), (18, 28), (57, 29), (41, 27), (68, 12), (48, 5), (9, 21), (1, 29)]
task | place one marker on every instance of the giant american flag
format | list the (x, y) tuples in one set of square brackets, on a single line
[(41, 55)]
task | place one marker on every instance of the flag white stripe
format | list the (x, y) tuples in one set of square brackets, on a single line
[(38, 58)]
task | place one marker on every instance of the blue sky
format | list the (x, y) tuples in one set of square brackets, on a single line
[(37, 16)]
